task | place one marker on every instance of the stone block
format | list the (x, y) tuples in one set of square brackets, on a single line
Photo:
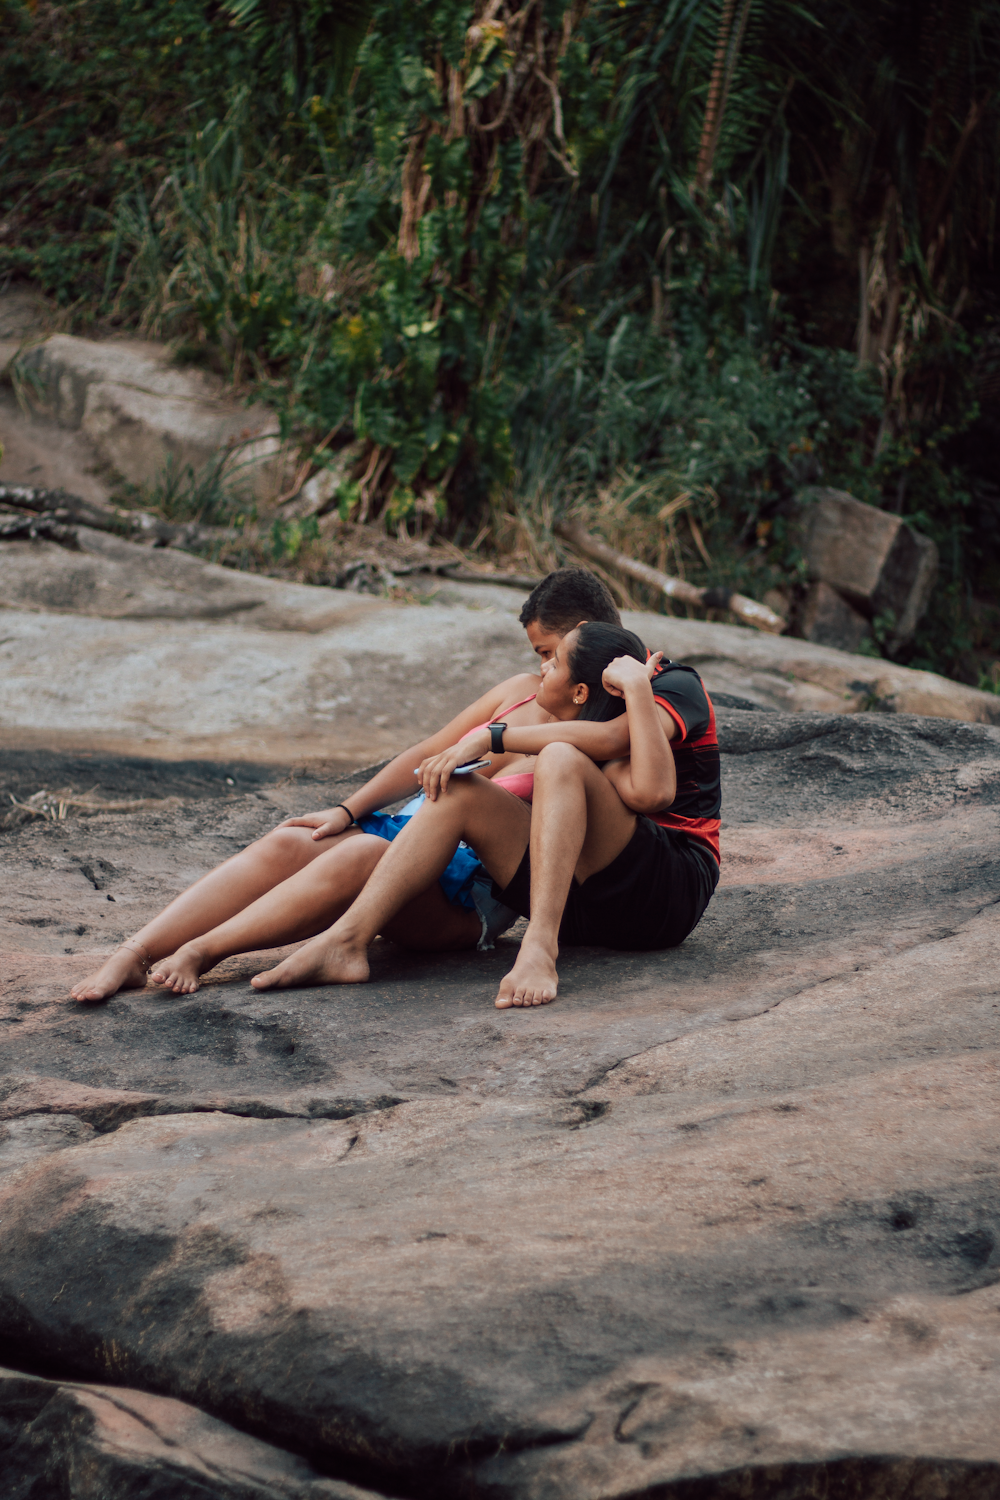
[(140, 412), (875, 560), (829, 620)]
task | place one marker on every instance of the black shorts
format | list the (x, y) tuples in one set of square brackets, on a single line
[(650, 896)]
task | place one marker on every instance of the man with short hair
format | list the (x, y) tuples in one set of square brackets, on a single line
[(562, 601)]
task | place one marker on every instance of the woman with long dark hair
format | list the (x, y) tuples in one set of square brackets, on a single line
[(620, 848)]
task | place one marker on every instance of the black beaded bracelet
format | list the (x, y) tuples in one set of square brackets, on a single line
[(347, 811)]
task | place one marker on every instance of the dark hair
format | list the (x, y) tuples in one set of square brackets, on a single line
[(565, 598), (597, 645)]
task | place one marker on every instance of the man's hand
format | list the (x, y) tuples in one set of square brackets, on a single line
[(626, 672), (434, 773), (327, 824)]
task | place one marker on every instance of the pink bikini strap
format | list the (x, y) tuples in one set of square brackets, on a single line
[(511, 707)]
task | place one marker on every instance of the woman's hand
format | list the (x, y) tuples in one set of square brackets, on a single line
[(327, 824), (625, 672), (434, 773)]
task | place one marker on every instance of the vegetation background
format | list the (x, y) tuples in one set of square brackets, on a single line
[(496, 261)]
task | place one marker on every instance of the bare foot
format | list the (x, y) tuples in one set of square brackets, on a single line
[(320, 961), (533, 979), (182, 970), (122, 971)]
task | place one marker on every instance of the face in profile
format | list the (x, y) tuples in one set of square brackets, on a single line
[(544, 640), (558, 693)]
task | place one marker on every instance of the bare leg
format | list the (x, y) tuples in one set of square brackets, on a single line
[(493, 821), (579, 824), (214, 898), (305, 904), (298, 907)]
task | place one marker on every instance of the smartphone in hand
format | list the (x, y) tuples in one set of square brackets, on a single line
[(470, 765)]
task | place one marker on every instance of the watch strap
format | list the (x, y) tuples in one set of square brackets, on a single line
[(496, 738)]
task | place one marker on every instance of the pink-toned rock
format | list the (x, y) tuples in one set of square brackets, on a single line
[(723, 1221), (95, 1442)]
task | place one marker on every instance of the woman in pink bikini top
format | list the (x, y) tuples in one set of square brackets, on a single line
[(521, 783)]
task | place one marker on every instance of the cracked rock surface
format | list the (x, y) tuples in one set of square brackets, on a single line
[(722, 1222)]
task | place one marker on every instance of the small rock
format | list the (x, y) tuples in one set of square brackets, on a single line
[(829, 620), (365, 578), (875, 560)]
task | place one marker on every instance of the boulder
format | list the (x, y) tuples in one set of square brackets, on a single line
[(878, 563), (139, 411), (37, 451), (99, 1442), (828, 620), (723, 1221)]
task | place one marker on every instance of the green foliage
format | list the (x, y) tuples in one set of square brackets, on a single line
[(565, 264), (96, 96)]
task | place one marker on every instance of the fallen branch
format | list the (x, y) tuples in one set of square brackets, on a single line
[(46, 526), (458, 574), (54, 508), (744, 609)]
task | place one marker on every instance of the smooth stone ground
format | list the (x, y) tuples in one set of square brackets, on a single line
[(132, 649), (721, 1222)]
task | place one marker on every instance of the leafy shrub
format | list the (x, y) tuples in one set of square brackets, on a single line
[(606, 261)]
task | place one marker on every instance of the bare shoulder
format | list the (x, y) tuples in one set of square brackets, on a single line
[(521, 685), (516, 689)]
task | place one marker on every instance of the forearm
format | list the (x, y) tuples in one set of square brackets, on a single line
[(393, 782), (650, 783), (601, 742)]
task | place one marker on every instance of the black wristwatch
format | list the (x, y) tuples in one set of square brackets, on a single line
[(496, 738)]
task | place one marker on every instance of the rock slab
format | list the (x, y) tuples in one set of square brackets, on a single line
[(96, 1442), (140, 411), (723, 1221), (133, 649)]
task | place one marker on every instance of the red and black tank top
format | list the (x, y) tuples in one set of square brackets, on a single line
[(696, 809)]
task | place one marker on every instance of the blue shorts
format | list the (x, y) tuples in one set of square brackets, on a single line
[(464, 881), (462, 868)]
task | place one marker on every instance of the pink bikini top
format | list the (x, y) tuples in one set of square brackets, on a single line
[(522, 782)]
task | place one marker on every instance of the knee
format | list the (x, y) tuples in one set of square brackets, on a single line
[(286, 845), (560, 760), (362, 852), (461, 786)]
